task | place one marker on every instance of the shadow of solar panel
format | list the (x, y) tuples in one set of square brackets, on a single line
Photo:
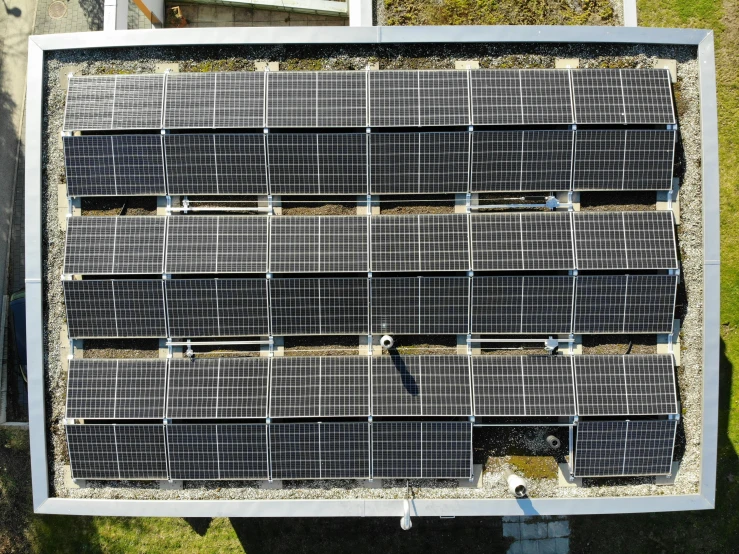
[(647, 96), (342, 99), (137, 103), (312, 244), (625, 385), (444, 98), (239, 100), (191, 164), (117, 452), (496, 97), (99, 309), (394, 98), (624, 448), (293, 163), (650, 303), (319, 306), (545, 97), (116, 389), (241, 164), (598, 96), (216, 244), (205, 452), (190, 101), (292, 99), (89, 103)]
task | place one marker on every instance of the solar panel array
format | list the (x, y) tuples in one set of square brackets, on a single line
[(396, 98), (375, 163), (381, 386), (386, 243)]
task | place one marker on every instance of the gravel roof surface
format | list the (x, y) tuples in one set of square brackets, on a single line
[(389, 57)]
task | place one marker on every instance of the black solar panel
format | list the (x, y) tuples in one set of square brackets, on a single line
[(126, 165), (421, 386), (319, 451), (422, 450), (315, 244), (116, 389), (117, 452), (217, 388), (625, 385), (216, 244), (205, 452), (114, 245), (319, 306), (623, 448), (308, 386)]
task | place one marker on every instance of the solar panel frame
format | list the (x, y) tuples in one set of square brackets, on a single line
[(116, 389), (135, 452), (624, 448)]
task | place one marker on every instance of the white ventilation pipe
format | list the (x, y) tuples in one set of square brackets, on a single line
[(387, 342), (515, 484), (405, 521)]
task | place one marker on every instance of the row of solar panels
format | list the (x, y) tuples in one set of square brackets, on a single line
[(408, 450), (429, 450), (396, 98), (361, 386), (345, 244), (375, 163), (584, 304)]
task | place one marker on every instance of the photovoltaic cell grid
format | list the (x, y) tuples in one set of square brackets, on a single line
[(318, 244), (218, 388), (117, 451), (624, 448), (212, 452), (421, 386), (416, 450), (216, 244), (114, 245), (116, 389), (420, 243), (625, 385), (312, 386), (523, 386)]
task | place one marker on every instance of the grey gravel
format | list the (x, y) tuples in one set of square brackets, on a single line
[(425, 56)]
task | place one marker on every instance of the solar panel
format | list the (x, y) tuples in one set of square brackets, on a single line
[(420, 243), (216, 244), (624, 448), (114, 245), (129, 165), (535, 241), (625, 240), (522, 304), (312, 386), (420, 305), (117, 451), (315, 244), (444, 98), (217, 388), (629, 159), (647, 96), (342, 99), (319, 306), (402, 163), (421, 386), (116, 389), (190, 101), (625, 303), (394, 98), (625, 385), (217, 307), (241, 164), (319, 450), (422, 450), (496, 97), (203, 452), (545, 97), (115, 308), (521, 160), (114, 102), (239, 100)]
